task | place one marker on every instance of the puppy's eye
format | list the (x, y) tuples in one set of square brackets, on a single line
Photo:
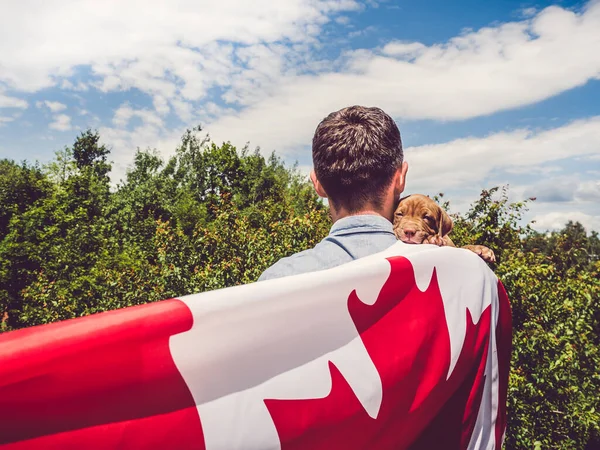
[(398, 214), (428, 218)]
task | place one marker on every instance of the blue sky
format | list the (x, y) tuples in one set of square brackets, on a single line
[(484, 93)]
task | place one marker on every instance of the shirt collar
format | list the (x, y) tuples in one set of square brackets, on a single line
[(361, 223)]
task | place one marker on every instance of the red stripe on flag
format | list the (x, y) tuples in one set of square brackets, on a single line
[(101, 381), (504, 343)]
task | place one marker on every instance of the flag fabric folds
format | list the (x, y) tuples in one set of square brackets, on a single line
[(406, 349)]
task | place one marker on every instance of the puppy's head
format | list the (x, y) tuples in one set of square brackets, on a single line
[(418, 217)]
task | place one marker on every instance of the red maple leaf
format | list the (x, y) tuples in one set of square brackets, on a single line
[(406, 335)]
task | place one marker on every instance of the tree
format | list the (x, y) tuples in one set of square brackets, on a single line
[(90, 155), (61, 235), (569, 248), (21, 186)]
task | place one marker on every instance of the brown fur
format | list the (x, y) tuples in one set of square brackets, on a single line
[(419, 220)]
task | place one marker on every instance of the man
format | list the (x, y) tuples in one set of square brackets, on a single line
[(359, 168)]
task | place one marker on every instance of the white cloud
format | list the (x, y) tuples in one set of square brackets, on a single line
[(11, 102), (545, 158), (588, 191), (362, 32), (168, 49), (56, 106), (4, 119), (559, 189), (184, 110), (255, 53), (542, 170), (404, 49), (125, 113), (592, 158), (528, 12), (62, 122), (69, 86), (557, 220), (471, 162), (478, 73), (574, 189), (52, 106), (263, 67)]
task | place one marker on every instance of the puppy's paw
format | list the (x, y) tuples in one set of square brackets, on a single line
[(487, 254), (434, 239)]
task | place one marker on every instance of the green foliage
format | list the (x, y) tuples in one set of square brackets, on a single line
[(492, 221), (59, 232), (569, 248), (212, 216), (88, 154), (20, 187)]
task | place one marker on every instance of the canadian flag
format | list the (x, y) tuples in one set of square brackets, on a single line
[(406, 349)]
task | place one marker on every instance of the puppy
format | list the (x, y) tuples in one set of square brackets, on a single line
[(419, 220)]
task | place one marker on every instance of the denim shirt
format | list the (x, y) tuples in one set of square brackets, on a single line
[(350, 238)]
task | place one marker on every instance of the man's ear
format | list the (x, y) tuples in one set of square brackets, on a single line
[(400, 180), (445, 223), (317, 184)]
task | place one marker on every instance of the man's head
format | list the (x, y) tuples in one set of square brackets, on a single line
[(358, 160)]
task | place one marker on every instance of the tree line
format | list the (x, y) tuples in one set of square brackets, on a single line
[(213, 216)]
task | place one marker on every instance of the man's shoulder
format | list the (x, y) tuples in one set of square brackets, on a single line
[(301, 262), (350, 238)]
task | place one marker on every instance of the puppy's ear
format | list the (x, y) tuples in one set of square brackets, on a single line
[(444, 223)]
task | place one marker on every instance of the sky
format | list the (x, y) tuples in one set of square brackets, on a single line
[(484, 93)]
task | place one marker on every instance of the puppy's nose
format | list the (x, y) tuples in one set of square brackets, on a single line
[(409, 232)]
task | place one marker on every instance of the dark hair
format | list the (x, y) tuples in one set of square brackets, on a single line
[(356, 152)]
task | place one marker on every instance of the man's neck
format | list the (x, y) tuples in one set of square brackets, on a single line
[(341, 213)]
